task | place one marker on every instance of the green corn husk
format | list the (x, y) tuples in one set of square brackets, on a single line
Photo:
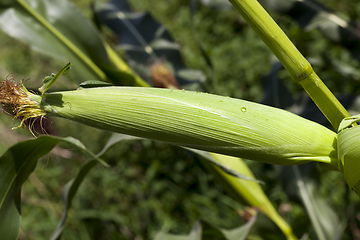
[(197, 120), (348, 152)]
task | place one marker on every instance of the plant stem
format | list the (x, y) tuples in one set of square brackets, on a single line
[(324, 99), (294, 62)]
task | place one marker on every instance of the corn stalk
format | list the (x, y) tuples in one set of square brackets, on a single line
[(302, 72)]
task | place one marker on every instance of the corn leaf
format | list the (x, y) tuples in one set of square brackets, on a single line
[(347, 122), (195, 234), (301, 184), (240, 233), (48, 27), (248, 192), (71, 188), (205, 230), (16, 164), (223, 166), (68, 194), (349, 154), (234, 175), (81, 147), (114, 139)]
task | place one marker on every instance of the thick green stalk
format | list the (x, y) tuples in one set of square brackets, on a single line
[(295, 63)]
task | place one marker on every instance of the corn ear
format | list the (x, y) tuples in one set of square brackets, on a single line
[(198, 120)]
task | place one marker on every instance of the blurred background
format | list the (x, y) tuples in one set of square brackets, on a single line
[(152, 185)]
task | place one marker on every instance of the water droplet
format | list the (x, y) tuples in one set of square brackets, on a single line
[(243, 109), (227, 97), (220, 101), (183, 90)]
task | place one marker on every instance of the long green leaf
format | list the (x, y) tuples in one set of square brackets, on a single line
[(235, 175), (195, 234), (73, 185), (247, 191), (301, 184), (116, 138), (204, 230), (224, 165), (240, 233), (16, 164), (349, 156), (48, 27), (68, 194)]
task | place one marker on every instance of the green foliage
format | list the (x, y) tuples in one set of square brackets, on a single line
[(151, 185), (17, 163)]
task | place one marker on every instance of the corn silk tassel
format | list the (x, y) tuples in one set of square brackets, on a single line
[(197, 120)]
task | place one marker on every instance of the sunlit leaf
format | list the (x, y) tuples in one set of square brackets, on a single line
[(223, 166)]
